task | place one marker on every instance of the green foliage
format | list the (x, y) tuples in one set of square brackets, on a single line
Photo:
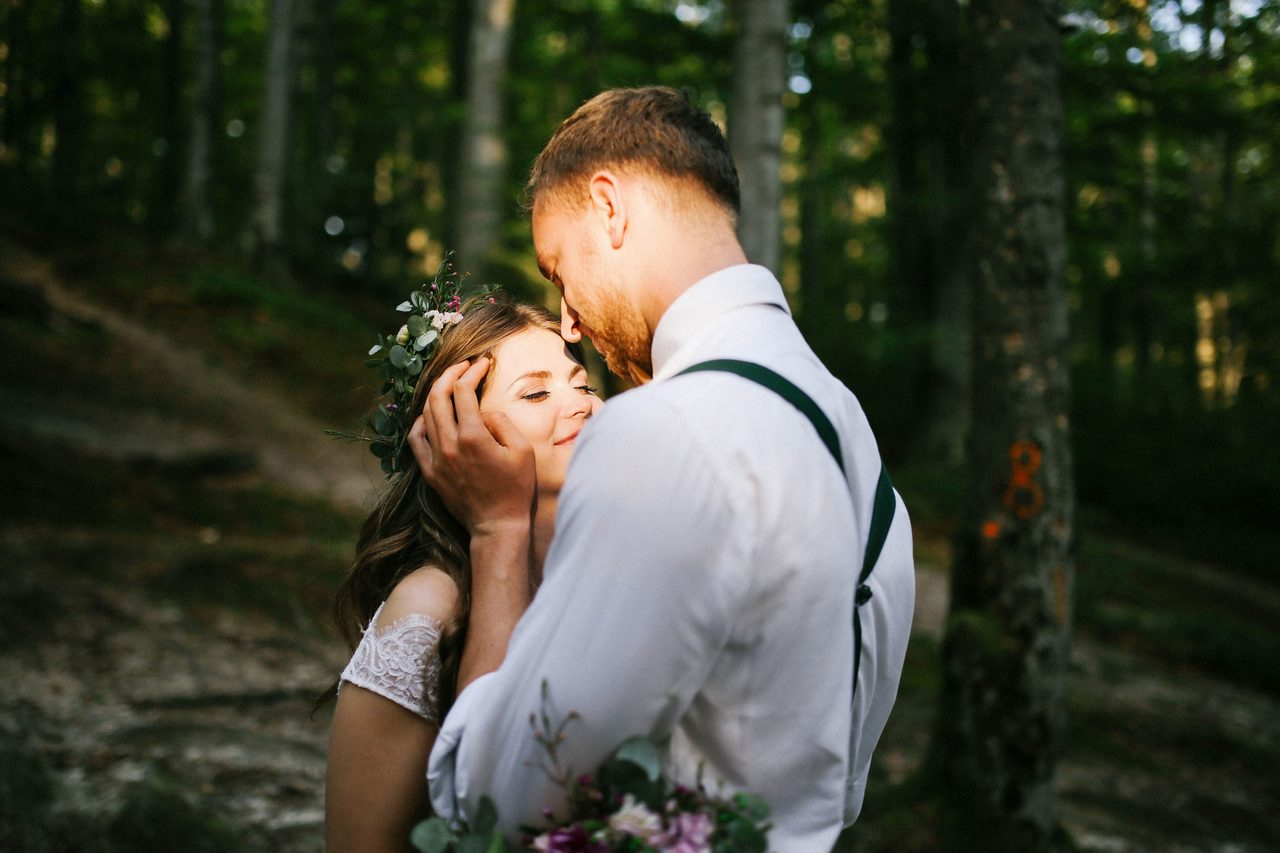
[(157, 814), (1176, 611), (26, 795)]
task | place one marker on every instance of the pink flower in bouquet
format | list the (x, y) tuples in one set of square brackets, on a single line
[(567, 839), (688, 833)]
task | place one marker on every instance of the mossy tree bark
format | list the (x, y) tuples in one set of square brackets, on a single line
[(757, 120), (1005, 655), (480, 200)]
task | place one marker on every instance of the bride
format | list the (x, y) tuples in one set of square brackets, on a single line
[(403, 607)]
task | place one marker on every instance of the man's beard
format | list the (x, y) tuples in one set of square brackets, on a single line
[(623, 342)]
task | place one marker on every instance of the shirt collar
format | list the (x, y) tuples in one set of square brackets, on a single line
[(708, 299)]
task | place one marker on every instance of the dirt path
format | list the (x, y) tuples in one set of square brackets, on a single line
[(288, 447)]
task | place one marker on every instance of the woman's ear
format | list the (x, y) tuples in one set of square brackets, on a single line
[(605, 192)]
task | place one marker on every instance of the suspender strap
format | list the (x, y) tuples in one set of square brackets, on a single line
[(884, 504), (784, 388)]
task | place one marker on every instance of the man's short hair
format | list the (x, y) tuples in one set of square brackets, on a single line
[(654, 129)]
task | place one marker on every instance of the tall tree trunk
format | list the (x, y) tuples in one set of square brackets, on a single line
[(947, 100), (1005, 655), (274, 134), (930, 292), (323, 58), (756, 122), (68, 114), (16, 21), (162, 218), (484, 150), (197, 203)]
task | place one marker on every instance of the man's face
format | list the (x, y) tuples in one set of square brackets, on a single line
[(595, 297)]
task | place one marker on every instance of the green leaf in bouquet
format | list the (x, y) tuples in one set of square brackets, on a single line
[(399, 356), (374, 362), (417, 325), (383, 424), (414, 367), (752, 807), (486, 817), (742, 836), (382, 449), (406, 305), (388, 467), (642, 752), (427, 338), (474, 842), (432, 836), (621, 777)]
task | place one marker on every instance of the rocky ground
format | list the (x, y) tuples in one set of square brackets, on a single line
[(167, 550)]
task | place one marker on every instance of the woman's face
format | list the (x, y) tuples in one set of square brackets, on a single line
[(544, 391)]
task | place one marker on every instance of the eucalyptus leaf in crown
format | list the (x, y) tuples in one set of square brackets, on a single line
[(400, 359)]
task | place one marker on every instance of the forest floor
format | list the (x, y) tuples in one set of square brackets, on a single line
[(174, 521)]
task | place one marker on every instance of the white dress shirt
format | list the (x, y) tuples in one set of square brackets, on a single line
[(700, 589)]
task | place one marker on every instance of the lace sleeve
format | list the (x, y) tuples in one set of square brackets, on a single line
[(400, 662)]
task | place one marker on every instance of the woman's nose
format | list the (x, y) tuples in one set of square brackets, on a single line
[(569, 329)]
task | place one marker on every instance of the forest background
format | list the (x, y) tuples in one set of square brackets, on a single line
[(207, 208)]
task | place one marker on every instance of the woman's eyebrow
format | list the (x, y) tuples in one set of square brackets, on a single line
[(532, 374)]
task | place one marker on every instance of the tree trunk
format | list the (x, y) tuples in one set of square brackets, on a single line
[(484, 150), (756, 123), (948, 95), (274, 134), (197, 204), (324, 64), (15, 75), (161, 220), (68, 115), (1005, 655)]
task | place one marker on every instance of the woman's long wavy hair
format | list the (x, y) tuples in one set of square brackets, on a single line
[(410, 527)]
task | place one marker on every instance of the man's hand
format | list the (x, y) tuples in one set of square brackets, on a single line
[(483, 468), (479, 464)]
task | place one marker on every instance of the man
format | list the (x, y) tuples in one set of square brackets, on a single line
[(701, 583)]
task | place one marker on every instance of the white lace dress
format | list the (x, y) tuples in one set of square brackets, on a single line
[(400, 662)]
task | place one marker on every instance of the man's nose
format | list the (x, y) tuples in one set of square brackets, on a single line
[(569, 329)]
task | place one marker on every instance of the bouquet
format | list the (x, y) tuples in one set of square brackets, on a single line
[(626, 804)]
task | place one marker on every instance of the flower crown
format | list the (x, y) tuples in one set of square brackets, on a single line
[(400, 359)]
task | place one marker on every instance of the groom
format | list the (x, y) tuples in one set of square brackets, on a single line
[(700, 588)]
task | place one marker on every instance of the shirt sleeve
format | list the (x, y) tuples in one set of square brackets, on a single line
[(639, 597)]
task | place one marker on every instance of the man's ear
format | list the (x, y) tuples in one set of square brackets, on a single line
[(605, 192)]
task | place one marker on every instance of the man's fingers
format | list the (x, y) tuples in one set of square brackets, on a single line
[(420, 446), (504, 432), (441, 421), (466, 405)]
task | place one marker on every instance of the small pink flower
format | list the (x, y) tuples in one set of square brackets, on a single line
[(687, 833)]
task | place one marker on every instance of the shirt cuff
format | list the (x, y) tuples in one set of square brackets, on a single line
[(447, 778)]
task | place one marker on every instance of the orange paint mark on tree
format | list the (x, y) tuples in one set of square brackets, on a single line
[(1024, 497)]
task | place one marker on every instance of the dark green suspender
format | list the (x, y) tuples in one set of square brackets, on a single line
[(884, 505)]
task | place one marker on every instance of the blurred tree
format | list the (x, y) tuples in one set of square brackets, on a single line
[(1005, 654), (480, 200), (68, 108), (756, 123), (197, 205), (273, 139), (929, 294)]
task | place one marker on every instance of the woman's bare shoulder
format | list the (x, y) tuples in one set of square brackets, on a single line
[(427, 591)]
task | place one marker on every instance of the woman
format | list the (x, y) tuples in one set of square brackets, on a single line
[(404, 606)]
